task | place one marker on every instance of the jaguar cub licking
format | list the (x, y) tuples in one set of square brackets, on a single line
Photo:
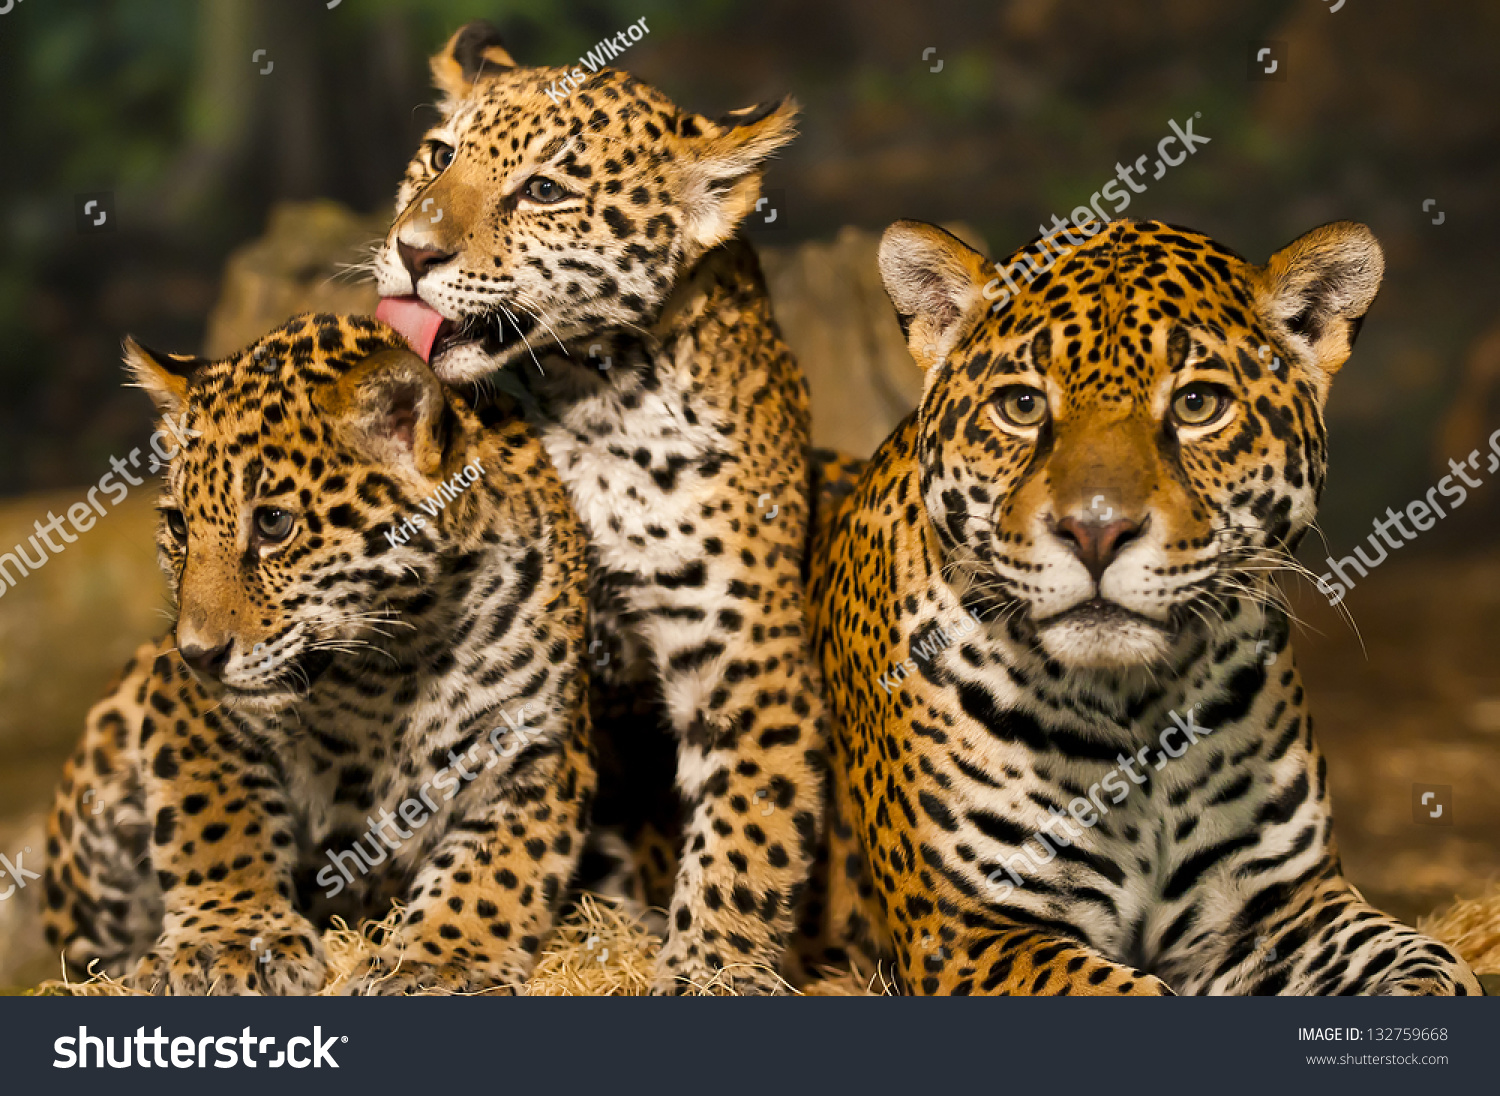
[(1072, 749), (587, 247), (374, 690)]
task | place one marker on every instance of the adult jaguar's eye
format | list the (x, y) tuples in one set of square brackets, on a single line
[(273, 524), (544, 191), (1022, 406), (1197, 404), (176, 523), (442, 156)]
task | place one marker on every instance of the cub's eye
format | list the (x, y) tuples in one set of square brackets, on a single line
[(1197, 404), (1022, 406), (442, 156), (273, 524), (176, 523), (544, 191)]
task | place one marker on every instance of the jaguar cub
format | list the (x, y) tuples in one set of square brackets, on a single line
[(373, 692), (1073, 752), (586, 245)]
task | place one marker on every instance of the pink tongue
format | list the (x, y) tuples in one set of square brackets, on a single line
[(414, 319)]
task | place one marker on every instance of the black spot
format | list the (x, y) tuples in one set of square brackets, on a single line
[(619, 224), (164, 764), (166, 826)]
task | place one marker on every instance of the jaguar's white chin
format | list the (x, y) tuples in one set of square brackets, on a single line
[(1101, 635), (1104, 647), (468, 362), (255, 696)]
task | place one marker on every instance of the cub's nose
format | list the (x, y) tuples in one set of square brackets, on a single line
[(208, 661), (419, 260), (1097, 543)]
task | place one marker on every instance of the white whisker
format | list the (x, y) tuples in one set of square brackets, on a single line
[(524, 339)]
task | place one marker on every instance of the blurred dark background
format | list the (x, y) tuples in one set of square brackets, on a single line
[(1385, 104), (1373, 110)]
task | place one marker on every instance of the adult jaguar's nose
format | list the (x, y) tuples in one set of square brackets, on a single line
[(1097, 543), (419, 260)]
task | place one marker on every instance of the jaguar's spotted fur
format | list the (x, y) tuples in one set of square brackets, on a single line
[(1072, 750), (346, 663), (588, 247)]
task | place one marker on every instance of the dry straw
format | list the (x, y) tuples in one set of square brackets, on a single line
[(600, 950)]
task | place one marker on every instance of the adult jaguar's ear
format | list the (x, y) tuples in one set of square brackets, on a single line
[(1317, 289), (473, 50), (721, 167), (936, 281), (392, 406), (165, 377)]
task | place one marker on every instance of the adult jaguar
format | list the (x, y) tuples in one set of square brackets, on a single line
[(337, 657), (1072, 752), (586, 246)]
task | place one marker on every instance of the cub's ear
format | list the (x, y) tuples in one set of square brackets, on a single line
[(393, 408), (936, 282), (721, 167), (165, 377), (477, 46), (1317, 290)]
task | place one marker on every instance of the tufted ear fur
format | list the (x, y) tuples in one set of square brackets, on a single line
[(721, 167), (392, 406), (1317, 290), (936, 282), (165, 377), (475, 47)]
